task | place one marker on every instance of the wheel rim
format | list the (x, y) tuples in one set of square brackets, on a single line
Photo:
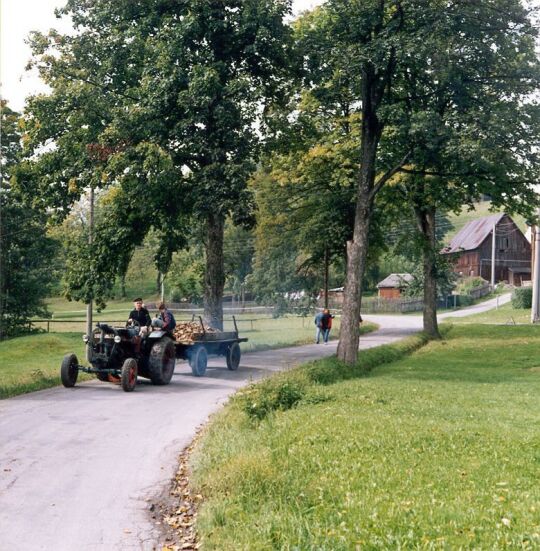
[(132, 375)]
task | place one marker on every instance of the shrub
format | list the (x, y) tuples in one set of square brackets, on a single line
[(281, 392), (522, 297), (466, 285)]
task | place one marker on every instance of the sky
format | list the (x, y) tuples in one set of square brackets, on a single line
[(17, 19)]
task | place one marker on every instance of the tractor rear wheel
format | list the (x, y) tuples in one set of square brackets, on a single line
[(129, 374), (162, 361), (198, 361), (69, 371), (233, 356)]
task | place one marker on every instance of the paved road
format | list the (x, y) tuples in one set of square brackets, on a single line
[(78, 466)]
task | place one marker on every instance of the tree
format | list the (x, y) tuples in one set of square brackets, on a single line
[(174, 90), (382, 47), (26, 251), (461, 120)]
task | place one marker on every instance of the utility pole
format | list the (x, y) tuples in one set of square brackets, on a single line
[(493, 244), (90, 305), (326, 270), (1, 250), (535, 306), (162, 287)]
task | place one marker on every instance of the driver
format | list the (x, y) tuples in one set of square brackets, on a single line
[(141, 316)]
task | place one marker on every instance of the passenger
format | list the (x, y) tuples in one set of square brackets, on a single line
[(169, 323)]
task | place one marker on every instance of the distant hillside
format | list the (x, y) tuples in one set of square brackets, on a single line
[(481, 209)]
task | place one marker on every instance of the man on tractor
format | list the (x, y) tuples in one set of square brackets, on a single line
[(139, 319)]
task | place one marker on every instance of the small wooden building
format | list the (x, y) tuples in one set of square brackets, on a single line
[(393, 285), (471, 250)]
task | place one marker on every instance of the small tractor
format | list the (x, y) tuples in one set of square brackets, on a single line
[(120, 355)]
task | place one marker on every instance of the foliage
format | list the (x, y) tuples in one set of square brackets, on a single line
[(159, 101), (468, 284), (409, 448), (26, 251), (522, 297), (185, 277)]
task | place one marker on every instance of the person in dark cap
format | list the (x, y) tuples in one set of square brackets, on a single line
[(140, 315)]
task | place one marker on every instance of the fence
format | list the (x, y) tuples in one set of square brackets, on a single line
[(378, 305), (73, 325)]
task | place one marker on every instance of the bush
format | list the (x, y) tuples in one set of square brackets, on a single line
[(466, 285), (522, 297)]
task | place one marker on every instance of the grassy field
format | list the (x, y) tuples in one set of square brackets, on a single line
[(439, 450), (33, 362), (505, 314)]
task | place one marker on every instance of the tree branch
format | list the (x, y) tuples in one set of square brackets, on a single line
[(388, 174)]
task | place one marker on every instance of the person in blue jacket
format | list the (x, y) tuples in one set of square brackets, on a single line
[(167, 318), (318, 324)]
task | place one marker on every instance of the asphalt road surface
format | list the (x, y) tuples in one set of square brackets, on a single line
[(79, 467)]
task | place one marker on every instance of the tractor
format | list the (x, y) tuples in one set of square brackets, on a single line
[(119, 355)]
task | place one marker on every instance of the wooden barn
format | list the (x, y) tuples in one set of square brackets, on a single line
[(471, 249), (393, 285)]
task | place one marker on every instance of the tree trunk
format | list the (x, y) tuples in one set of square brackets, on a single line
[(123, 285), (426, 223), (214, 278), (357, 249)]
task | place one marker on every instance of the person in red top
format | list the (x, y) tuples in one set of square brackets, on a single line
[(326, 324)]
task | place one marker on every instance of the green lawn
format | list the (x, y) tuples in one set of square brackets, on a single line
[(505, 314), (33, 362), (439, 450)]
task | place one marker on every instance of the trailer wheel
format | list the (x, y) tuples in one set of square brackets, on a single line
[(233, 356), (69, 371), (129, 374), (162, 361), (198, 361)]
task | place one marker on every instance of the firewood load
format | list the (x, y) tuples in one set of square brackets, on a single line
[(188, 331)]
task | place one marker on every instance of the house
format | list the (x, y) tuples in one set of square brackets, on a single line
[(471, 250), (393, 285)]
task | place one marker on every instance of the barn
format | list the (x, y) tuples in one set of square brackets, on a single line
[(471, 250)]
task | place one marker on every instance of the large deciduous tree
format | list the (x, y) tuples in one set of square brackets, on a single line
[(383, 48), (174, 90)]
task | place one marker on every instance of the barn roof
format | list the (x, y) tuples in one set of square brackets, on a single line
[(473, 234), (395, 281)]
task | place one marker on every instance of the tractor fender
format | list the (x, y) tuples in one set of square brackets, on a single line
[(157, 334)]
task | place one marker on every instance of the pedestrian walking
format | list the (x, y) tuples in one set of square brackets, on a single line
[(326, 324), (318, 324)]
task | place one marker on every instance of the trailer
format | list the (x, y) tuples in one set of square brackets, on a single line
[(204, 344)]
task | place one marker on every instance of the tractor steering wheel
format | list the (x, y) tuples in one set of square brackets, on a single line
[(133, 323)]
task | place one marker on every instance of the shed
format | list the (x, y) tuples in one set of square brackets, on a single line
[(393, 285)]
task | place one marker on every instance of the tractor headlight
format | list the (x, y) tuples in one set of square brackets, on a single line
[(117, 339), (85, 338)]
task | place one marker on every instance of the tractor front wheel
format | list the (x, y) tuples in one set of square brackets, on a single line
[(129, 374), (69, 371)]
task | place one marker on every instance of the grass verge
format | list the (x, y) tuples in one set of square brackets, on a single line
[(33, 362), (505, 314), (437, 450)]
